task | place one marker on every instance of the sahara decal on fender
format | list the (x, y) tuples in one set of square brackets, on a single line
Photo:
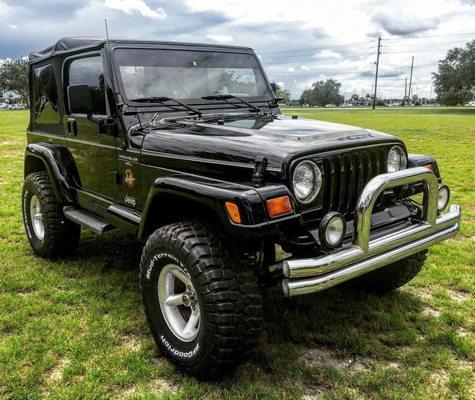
[(129, 178)]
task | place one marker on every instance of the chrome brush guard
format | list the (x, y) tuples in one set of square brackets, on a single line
[(314, 274)]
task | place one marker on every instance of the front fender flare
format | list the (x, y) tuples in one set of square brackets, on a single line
[(212, 194)]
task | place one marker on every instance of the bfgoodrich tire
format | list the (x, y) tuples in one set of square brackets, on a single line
[(392, 276), (190, 278), (50, 234)]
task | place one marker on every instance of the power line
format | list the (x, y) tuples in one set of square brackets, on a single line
[(329, 47), (317, 74), (425, 43), (417, 51), (432, 36), (307, 58)]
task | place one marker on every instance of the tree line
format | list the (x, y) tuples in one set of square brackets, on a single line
[(454, 81)]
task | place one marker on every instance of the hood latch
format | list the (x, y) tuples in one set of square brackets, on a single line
[(260, 165)]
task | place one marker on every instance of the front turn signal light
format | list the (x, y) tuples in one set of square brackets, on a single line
[(430, 167), (233, 212), (279, 206)]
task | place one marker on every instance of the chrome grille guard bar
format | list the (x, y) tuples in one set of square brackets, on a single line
[(366, 255)]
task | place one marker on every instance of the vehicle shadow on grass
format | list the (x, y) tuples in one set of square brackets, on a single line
[(118, 251), (346, 324)]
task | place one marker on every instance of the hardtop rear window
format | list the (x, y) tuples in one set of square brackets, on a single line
[(44, 101)]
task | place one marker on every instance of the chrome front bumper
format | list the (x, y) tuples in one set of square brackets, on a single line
[(314, 274)]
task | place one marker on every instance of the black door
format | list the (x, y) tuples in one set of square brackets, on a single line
[(95, 153)]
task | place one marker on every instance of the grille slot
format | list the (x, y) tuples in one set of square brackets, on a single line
[(345, 176)]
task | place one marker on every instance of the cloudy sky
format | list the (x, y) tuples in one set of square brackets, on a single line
[(298, 42)]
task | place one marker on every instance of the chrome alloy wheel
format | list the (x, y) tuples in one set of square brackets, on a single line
[(37, 217), (179, 302)]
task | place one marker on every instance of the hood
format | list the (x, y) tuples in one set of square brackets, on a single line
[(242, 140)]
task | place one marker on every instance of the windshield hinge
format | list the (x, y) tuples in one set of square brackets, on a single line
[(260, 165)]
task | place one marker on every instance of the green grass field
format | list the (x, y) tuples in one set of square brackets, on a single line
[(76, 329)]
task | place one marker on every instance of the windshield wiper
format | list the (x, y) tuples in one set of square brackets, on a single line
[(274, 102), (227, 97), (162, 100)]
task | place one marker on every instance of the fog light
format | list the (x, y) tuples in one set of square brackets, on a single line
[(332, 229), (444, 196)]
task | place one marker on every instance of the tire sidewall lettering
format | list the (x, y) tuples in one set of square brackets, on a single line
[(156, 259), (178, 353), (168, 342), (26, 219)]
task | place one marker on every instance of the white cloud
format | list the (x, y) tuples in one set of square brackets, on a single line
[(221, 38), (279, 32), (136, 6), (328, 54), (13, 26)]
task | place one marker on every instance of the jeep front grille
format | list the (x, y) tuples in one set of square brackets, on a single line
[(346, 174)]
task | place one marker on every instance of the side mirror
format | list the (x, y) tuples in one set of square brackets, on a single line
[(273, 85), (79, 98)]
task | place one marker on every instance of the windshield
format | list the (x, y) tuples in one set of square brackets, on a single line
[(188, 74)]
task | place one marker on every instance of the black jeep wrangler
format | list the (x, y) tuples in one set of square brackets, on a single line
[(184, 147)]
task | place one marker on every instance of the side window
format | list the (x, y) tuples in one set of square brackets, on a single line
[(88, 71), (44, 96)]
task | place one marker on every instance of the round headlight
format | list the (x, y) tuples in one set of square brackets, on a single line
[(306, 181), (332, 230), (444, 195), (396, 159)]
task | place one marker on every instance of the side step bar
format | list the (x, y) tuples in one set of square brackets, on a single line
[(87, 220)]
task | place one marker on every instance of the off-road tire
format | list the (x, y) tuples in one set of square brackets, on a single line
[(61, 236), (227, 291), (390, 277)]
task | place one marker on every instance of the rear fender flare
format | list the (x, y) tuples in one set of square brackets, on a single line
[(56, 161)]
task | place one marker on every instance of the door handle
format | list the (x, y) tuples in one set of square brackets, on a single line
[(72, 127)]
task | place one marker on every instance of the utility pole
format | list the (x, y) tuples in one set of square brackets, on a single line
[(405, 92), (410, 81), (378, 52)]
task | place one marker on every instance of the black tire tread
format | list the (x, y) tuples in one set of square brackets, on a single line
[(392, 276), (231, 297), (61, 235)]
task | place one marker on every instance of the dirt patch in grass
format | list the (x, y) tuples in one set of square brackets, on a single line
[(318, 395), (56, 374), (430, 312), (325, 357), (458, 297), (131, 343), (440, 380), (157, 387), (463, 332)]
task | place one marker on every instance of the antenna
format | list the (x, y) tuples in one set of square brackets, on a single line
[(107, 30)]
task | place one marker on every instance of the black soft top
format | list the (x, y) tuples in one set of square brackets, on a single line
[(73, 44)]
